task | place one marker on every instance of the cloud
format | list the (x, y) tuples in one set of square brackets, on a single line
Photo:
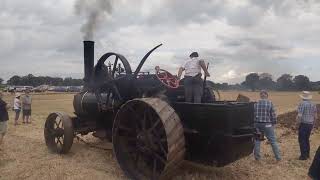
[(236, 37)]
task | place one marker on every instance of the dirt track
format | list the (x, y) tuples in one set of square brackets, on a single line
[(25, 155)]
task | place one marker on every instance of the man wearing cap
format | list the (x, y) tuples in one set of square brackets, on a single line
[(17, 108), (192, 78), (26, 107), (307, 114), (4, 117), (265, 119)]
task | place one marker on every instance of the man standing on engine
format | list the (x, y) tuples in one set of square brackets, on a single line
[(192, 78)]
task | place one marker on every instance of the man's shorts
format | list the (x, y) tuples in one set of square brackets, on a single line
[(17, 111), (26, 112), (3, 127)]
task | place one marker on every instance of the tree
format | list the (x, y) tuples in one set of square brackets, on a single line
[(1, 81), (14, 80), (31, 80), (251, 81), (266, 82), (265, 75), (284, 82), (302, 82)]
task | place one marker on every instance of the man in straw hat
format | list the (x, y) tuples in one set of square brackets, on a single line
[(265, 119), (4, 117), (307, 114), (192, 77)]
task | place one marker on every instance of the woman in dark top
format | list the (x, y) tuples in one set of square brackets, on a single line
[(314, 171), (4, 117)]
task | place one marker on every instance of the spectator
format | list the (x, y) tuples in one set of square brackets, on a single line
[(307, 113), (26, 107), (17, 108), (314, 170), (265, 119), (4, 117)]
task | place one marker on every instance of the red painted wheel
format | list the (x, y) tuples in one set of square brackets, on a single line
[(167, 78)]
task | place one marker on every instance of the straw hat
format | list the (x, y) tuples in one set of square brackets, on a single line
[(306, 95), (18, 95)]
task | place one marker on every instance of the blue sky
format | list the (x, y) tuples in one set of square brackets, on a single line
[(236, 37)]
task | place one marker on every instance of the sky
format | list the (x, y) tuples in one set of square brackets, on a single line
[(235, 37)]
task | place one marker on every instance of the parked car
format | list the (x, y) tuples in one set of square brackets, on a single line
[(41, 88), (74, 88), (60, 89), (22, 88)]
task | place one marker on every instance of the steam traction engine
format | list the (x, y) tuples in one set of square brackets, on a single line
[(151, 127)]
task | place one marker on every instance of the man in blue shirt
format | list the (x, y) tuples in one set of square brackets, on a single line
[(307, 114), (265, 119)]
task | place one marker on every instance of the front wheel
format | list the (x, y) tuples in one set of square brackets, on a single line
[(59, 132)]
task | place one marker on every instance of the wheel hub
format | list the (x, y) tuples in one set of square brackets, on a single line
[(146, 139), (59, 132)]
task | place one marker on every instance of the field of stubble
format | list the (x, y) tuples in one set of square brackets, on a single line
[(25, 155)]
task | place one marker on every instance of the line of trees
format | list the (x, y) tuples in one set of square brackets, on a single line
[(31, 80), (285, 82)]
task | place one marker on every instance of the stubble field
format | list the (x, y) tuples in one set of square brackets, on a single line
[(25, 155)]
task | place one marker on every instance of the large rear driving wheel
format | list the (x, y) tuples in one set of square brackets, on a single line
[(148, 139)]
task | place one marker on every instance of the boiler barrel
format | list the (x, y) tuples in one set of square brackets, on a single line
[(86, 103)]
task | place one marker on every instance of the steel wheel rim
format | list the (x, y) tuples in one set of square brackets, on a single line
[(135, 140), (58, 132)]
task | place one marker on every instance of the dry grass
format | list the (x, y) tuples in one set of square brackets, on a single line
[(25, 155)]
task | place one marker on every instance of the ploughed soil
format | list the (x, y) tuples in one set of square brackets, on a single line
[(25, 155), (288, 119)]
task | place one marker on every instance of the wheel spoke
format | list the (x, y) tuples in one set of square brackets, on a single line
[(51, 131), (154, 125), (114, 66), (58, 139), (158, 140), (144, 120), (59, 122), (154, 171), (157, 156), (138, 118), (57, 125)]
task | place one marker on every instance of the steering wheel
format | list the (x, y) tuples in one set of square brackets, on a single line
[(167, 78)]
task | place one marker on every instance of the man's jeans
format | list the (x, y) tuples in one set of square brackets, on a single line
[(304, 135), (268, 131), (193, 88)]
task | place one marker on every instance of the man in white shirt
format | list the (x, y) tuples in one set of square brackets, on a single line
[(192, 77), (17, 108)]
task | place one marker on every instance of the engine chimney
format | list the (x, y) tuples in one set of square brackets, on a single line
[(88, 52)]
